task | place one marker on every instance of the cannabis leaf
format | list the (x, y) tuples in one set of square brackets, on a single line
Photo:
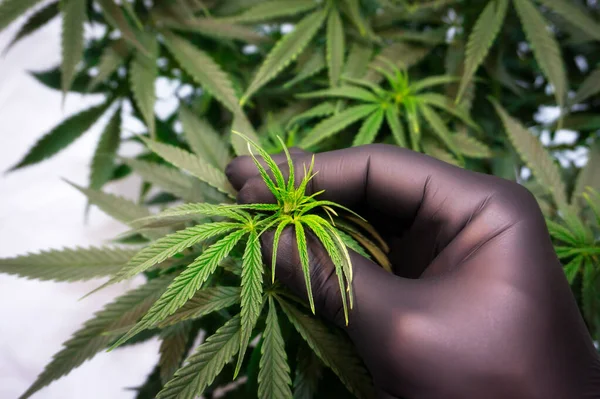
[(205, 301), (172, 349), (203, 69), (109, 63), (285, 51), (116, 17), (205, 364), (62, 135), (272, 9), (335, 46), (484, 33), (573, 13), (274, 376), (535, 156), (74, 15), (102, 166), (193, 164), (590, 87), (251, 296), (168, 178), (309, 369), (335, 351), (91, 339), (143, 73), (545, 48), (188, 282), (11, 9), (203, 139), (68, 264), (35, 22)]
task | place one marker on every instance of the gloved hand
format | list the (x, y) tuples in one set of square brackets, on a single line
[(478, 306)]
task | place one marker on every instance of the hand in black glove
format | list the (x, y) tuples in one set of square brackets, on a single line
[(478, 306)]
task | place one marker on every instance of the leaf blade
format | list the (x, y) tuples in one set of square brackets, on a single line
[(274, 372), (336, 46), (285, 51)]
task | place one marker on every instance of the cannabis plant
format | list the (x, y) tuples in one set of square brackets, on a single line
[(212, 263), (459, 80)]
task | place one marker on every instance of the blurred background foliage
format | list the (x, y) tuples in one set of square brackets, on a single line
[(504, 87)]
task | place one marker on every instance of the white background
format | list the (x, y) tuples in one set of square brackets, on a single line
[(40, 211)]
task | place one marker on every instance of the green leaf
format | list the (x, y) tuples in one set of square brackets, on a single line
[(444, 103), (205, 364), (267, 10), (172, 349), (545, 47), (203, 139), (439, 127), (91, 338), (38, 19), (351, 243), (242, 124), (102, 167), (285, 51), (117, 19), (352, 10), (67, 264), (322, 109), (400, 54), (218, 29), (194, 211), (535, 156), (590, 87), (393, 119), (431, 81), (370, 127), (470, 146), (251, 296), (350, 92), (482, 37), (315, 223), (274, 376), (205, 301), (336, 46), (335, 123), (142, 74), (589, 176), (117, 207), (186, 284), (589, 290), (168, 178), (304, 261), (193, 164), (109, 63), (73, 18), (572, 268), (358, 60), (304, 70), (12, 9), (561, 233), (203, 69), (434, 149), (62, 135), (168, 246), (575, 15), (334, 350), (308, 373)]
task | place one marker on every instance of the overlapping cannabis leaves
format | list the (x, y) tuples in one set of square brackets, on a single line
[(184, 286), (321, 74)]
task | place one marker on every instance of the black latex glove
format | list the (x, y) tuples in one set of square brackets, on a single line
[(478, 306)]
